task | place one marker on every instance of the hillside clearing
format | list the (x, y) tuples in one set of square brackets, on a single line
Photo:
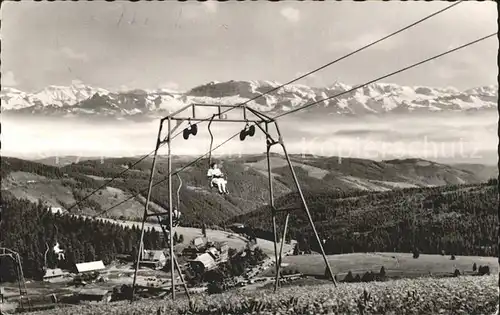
[(109, 197), (97, 177), (248, 183), (394, 185), (278, 162), (34, 187), (359, 183), (233, 240)]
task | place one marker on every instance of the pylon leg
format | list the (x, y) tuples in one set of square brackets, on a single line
[(304, 203), (179, 271), (283, 238), (146, 206), (273, 209)]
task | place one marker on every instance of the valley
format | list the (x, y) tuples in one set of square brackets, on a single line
[(369, 214)]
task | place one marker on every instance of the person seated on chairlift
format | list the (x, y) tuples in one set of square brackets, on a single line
[(58, 251), (217, 178), (175, 219)]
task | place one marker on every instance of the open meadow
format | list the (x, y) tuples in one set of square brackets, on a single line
[(395, 264)]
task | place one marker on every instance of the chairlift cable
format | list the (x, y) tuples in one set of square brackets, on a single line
[(386, 76)]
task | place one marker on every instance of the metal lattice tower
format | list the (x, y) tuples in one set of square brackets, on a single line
[(23, 292), (258, 119)]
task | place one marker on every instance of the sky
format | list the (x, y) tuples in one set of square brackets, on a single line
[(179, 45)]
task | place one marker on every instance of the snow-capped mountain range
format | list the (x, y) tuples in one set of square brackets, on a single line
[(79, 100)]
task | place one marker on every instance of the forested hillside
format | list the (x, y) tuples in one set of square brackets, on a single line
[(247, 175), (458, 219), (29, 228)]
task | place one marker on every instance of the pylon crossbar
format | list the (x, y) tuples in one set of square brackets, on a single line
[(215, 120), (219, 115)]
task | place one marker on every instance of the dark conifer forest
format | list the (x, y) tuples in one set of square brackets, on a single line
[(29, 228), (454, 219)]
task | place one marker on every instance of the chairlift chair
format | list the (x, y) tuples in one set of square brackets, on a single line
[(175, 219)]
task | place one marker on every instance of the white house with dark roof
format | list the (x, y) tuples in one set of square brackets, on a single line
[(93, 266), (155, 259), (54, 275), (203, 263)]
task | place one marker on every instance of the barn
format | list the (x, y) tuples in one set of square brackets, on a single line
[(203, 263), (54, 275), (155, 259), (89, 267), (89, 271)]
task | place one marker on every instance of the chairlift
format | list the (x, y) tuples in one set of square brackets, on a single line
[(248, 131), (190, 130)]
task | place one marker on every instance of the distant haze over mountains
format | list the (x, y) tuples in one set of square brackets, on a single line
[(80, 101), (379, 122)]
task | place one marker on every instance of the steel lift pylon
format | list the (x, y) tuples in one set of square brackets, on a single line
[(190, 113)]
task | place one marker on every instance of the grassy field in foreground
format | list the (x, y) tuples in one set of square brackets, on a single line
[(462, 295), (395, 264)]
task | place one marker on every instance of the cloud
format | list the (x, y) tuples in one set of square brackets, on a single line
[(77, 82), (291, 14), (123, 88), (311, 80), (8, 79), (169, 85), (363, 40), (71, 54)]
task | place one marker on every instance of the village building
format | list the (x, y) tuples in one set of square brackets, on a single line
[(196, 247), (199, 242), (58, 210), (90, 267), (155, 259), (88, 271), (190, 252), (223, 253), (220, 255), (54, 275), (203, 263)]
